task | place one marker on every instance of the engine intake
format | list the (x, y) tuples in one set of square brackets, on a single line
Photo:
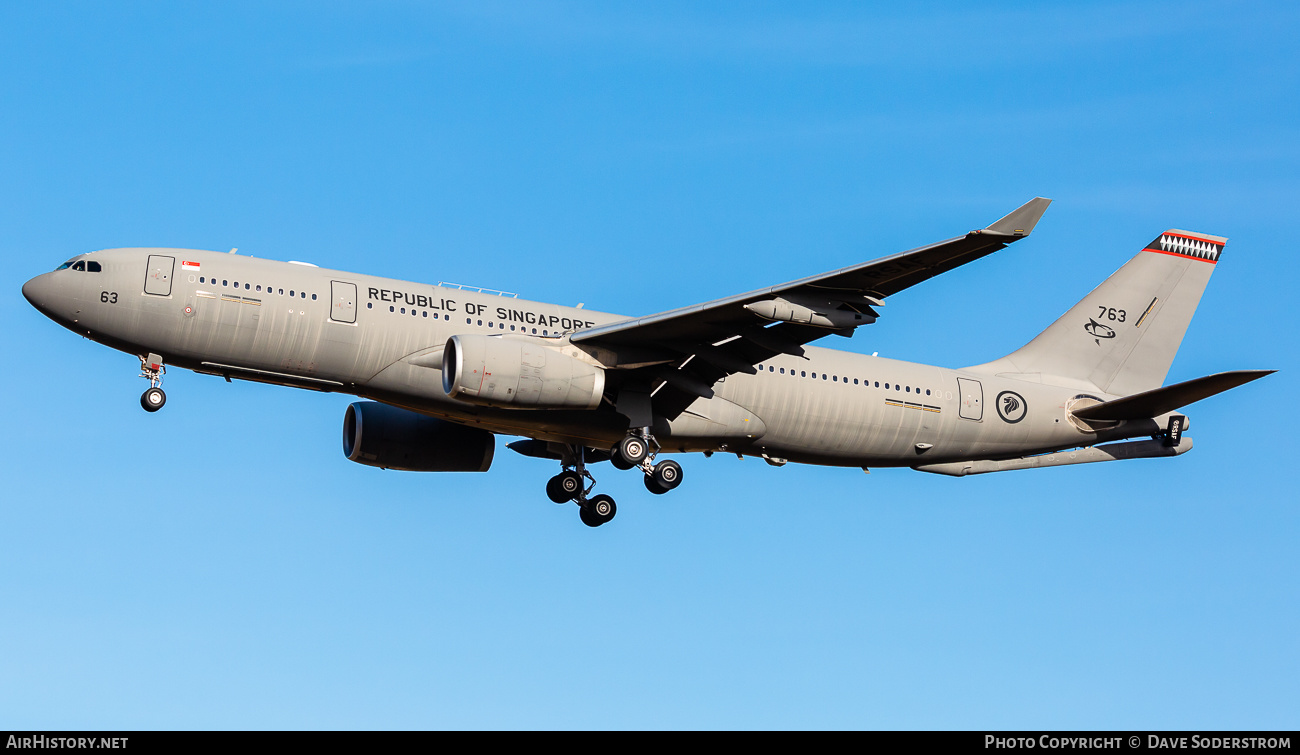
[(379, 435), (518, 373)]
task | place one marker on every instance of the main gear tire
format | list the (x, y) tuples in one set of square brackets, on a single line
[(564, 487), (667, 474), (632, 450)]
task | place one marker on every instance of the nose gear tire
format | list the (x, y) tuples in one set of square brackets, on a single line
[(153, 399)]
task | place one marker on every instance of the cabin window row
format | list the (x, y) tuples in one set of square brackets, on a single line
[(844, 380), (502, 326), (250, 287), (468, 320)]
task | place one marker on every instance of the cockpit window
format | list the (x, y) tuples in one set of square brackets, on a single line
[(64, 266), (93, 267), (80, 266)]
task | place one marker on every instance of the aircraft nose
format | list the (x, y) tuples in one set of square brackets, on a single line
[(37, 291)]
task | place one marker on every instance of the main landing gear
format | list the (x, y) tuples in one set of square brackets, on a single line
[(575, 483), (151, 367), (639, 449)]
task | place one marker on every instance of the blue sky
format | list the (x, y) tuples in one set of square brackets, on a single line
[(221, 565)]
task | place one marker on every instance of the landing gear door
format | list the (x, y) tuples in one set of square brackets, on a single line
[(972, 399), (158, 278), (344, 298)]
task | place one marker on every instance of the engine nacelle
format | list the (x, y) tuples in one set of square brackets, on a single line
[(518, 373), (379, 435)]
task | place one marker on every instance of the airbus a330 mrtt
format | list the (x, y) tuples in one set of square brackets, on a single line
[(447, 368)]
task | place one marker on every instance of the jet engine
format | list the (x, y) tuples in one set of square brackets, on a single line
[(518, 373), (379, 435)]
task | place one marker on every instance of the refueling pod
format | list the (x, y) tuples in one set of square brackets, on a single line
[(820, 313), (518, 373), (379, 435)]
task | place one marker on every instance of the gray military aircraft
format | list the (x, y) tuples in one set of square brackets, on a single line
[(449, 367)]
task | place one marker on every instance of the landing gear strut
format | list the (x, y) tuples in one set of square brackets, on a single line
[(151, 367)]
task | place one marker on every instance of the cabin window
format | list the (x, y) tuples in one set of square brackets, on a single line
[(802, 373), (282, 292), (313, 297), (909, 389), (823, 376), (391, 308), (403, 310), (927, 391), (303, 294), (414, 313), (426, 314), (480, 322), (259, 287), (855, 381), (835, 378), (370, 305)]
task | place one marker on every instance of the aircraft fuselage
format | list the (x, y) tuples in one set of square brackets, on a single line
[(300, 325)]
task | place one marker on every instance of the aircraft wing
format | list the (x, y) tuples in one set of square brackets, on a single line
[(687, 350)]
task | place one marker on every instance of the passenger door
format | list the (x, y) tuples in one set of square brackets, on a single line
[(158, 278), (344, 301)]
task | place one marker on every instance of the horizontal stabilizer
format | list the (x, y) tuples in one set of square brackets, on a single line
[(1156, 402), (1021, 221)]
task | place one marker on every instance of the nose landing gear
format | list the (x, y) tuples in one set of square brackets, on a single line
[(151, 367)]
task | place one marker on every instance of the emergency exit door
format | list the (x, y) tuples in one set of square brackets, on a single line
[(972, 399), (344, 297)]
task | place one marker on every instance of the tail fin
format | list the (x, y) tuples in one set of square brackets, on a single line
[(1123, 336)]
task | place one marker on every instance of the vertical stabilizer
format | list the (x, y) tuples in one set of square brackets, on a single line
[(1123, 336)]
